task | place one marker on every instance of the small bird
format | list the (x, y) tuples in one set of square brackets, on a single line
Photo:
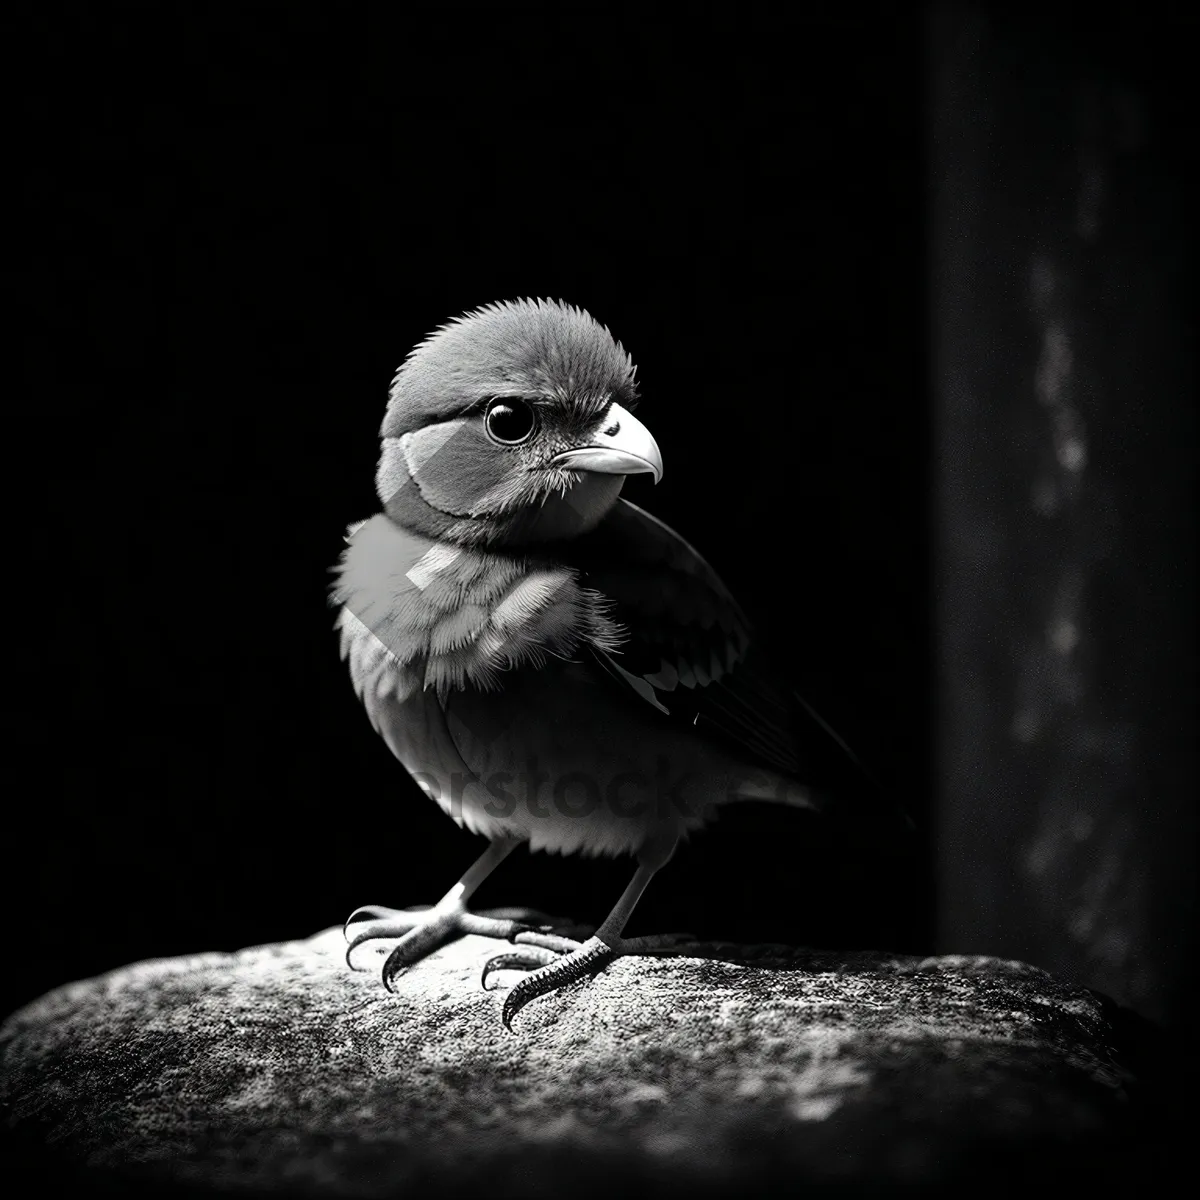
[(553, 665)]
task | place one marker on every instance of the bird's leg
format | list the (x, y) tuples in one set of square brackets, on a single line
[(421, 931), (560, 961)]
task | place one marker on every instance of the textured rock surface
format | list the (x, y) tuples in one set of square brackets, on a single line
[(720, 1068)]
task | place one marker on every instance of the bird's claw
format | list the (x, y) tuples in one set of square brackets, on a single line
[(371, 922), (526, 959), (538, 948), (552, 960), (553, 970), (377, 912), (423, 929), (544, 939)]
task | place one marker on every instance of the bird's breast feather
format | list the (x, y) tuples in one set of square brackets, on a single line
[(463, 615)]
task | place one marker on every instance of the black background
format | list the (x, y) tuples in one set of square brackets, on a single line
[(238, 221)]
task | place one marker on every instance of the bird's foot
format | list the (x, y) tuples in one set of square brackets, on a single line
[(553, 962), (423, 930)]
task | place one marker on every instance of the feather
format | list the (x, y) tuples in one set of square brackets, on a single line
[(684, 630), (523, 347), (466, 615)]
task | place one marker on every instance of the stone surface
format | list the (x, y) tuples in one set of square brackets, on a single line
[(278, 1069)]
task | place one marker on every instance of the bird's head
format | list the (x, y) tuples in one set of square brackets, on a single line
[(512, 425)]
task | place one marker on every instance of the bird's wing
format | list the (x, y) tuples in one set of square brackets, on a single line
[(688, 649)]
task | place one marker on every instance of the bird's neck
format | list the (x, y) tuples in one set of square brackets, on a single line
[(559, 518)]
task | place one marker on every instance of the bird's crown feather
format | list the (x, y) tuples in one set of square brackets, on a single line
[(520, 347)]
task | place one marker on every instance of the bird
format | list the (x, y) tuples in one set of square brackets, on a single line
[(553, 665)]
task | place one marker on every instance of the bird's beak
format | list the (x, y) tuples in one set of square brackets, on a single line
[(623, 447)]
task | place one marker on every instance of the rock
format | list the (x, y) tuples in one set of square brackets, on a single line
[(720, 1068)]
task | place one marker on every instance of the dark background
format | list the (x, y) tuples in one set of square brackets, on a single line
[(237, 224), (241, 222)]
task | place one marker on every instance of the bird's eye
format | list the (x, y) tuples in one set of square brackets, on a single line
[(509, 421)]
